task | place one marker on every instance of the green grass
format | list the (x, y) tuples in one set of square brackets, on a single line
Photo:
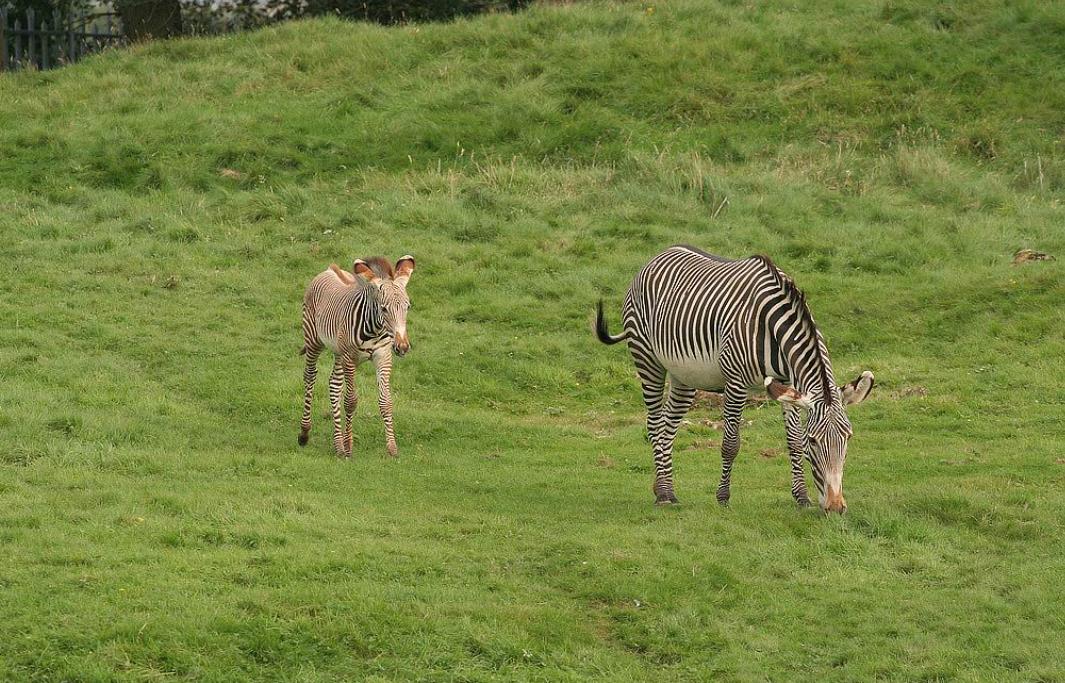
[(162, 208)]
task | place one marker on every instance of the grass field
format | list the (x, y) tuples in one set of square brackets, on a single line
[(162, 208)]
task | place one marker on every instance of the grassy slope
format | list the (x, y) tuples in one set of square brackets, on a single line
[(158, 518)]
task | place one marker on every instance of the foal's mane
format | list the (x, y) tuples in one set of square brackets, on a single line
[(344, 276), (381, 267)]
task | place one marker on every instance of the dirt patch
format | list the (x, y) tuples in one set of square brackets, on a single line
[(1026, 255), (910, 392), (708, 399), (718, 425)]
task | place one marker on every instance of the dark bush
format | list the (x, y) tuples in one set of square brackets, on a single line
[(150, 18), (393, 11), (161, 18), (204, 16), (44, 8)]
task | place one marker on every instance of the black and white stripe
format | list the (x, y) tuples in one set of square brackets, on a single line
[(716, 324)]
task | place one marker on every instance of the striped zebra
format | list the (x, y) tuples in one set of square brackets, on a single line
[(718, 324), (357, 316)]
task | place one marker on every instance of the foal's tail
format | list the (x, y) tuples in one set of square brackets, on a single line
[(601, 330)]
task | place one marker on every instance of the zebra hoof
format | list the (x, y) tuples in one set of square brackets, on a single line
[(722, 500), (303, 438), (667, 499), (803, 502)]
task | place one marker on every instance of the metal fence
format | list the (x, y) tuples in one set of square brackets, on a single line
[(30, 41)]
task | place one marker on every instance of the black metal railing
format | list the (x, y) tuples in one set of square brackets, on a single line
[(29, 41)]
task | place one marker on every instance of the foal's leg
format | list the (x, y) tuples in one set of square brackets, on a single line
[(382, 360), (310, 372), (336, 380), (351, 399)]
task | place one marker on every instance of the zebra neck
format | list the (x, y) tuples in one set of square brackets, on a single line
[(371, 321), (809, 368), (799, 345)]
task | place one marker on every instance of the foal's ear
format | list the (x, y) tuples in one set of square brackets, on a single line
[(404, 267), (857, 390), (365, 272), (785, 394)]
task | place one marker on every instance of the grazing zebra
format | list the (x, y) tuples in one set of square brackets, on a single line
[(722, 325), (356, 316)]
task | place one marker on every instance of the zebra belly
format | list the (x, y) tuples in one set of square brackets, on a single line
[(328, 342), (356, 353), (696, 373)]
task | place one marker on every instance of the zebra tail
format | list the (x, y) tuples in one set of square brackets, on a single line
[(601, 330)]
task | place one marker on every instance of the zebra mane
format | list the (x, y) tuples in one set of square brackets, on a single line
[(381, 267), (798, 298)]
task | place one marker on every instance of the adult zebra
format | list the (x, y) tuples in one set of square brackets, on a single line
[(727, 325), (357, 317)]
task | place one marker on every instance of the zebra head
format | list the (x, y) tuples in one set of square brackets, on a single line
[(827, 432), (392, 299)]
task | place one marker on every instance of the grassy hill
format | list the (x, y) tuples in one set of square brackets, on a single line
[(162, 208)]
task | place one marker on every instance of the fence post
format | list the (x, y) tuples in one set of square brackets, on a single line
[(17, 33), (3, 39), (31, 24), (72, 55), (57, 36), (44, 45)]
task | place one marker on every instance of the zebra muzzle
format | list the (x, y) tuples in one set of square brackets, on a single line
[(834, 501)]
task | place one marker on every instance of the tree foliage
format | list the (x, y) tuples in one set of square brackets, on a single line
[(245, 13)]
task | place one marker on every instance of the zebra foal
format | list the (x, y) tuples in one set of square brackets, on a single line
[(358, 317), (717, 324)]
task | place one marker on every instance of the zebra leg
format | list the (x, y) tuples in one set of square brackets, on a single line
[(336, 381), (351, 399), (310, 372), (730, 441), (796, 451), (382, 360), (678, 401), (652, 382)]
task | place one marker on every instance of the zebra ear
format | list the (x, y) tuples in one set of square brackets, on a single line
[(857, 390), (365, 272), (404, 267), (785, 394)]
